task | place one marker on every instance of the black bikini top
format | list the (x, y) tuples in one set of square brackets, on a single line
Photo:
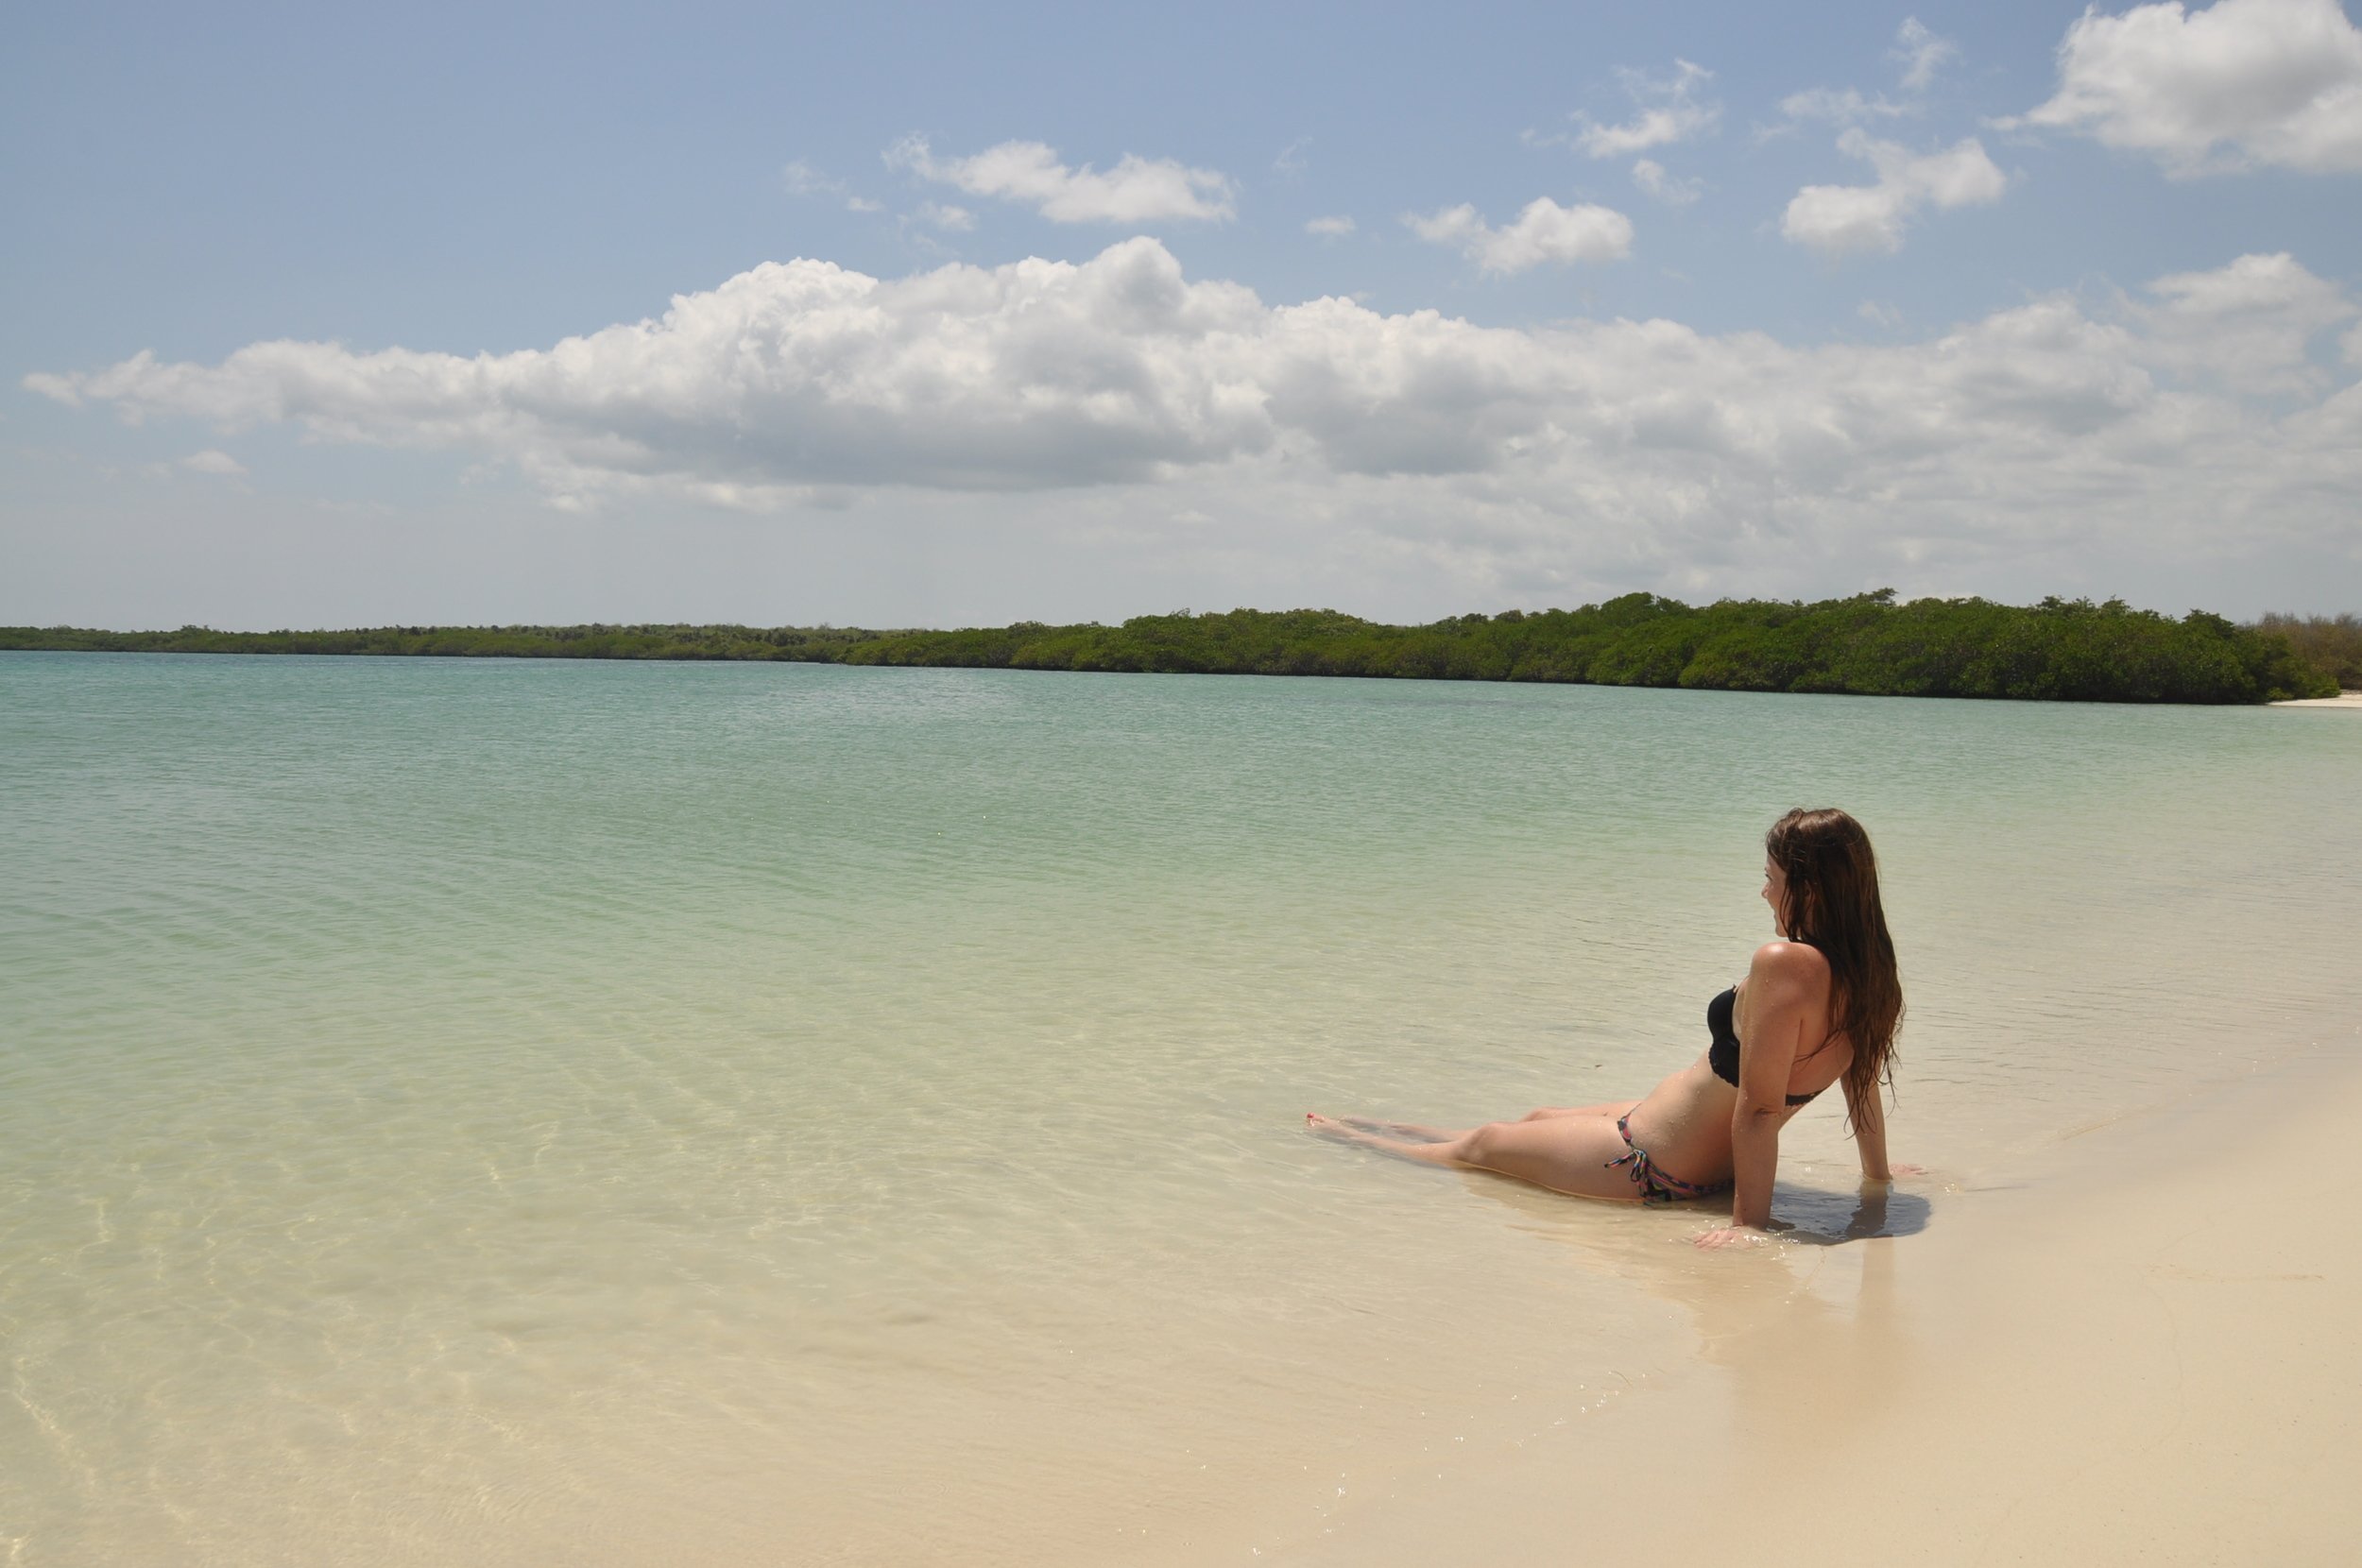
[(1722, 1055)]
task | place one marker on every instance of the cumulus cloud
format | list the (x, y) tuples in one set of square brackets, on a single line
[(2240, 83), (1651, 177), (214, 460), (1545, 231), (1921, 53), (2179, 419), (1670, 111), (1330, 228), (2250, 324), (1839, 220), (1136, 190)]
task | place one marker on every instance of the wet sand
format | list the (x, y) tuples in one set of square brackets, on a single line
[(2142, 1352)]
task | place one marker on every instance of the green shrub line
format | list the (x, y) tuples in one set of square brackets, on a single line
[(2330, 644), (2059, 650)]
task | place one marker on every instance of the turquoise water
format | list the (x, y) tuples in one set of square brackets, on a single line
[(488, 1110)]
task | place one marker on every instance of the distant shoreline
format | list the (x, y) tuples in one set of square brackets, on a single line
[(1868, 645)]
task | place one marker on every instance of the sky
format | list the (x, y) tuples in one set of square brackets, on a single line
[(918, 316)]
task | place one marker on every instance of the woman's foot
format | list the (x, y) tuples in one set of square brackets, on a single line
[(1344, 1130), (1371, 1129)]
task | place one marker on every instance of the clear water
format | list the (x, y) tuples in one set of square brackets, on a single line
[(508, 1112)]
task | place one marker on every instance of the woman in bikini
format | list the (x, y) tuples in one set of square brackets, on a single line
[(1819, 1006)]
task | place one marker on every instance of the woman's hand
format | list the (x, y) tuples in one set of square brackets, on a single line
[(1732, 1235)]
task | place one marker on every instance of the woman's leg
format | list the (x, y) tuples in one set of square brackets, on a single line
[(1420, 1132), (1571, 1154), (1415, 1132)]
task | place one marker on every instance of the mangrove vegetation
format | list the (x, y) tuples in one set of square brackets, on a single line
[(2330, 644), (2057, 651)]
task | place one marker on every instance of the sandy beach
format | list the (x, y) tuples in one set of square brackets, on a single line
[(2343, 699), (2142, 1352)]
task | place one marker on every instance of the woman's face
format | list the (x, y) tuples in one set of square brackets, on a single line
[(1775, 894)]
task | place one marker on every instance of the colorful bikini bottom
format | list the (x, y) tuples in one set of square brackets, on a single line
[(1656, 1187)]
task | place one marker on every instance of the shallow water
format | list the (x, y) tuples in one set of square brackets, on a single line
[(481, 1112)]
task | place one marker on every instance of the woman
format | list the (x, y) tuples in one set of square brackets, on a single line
[(1819, 1006)]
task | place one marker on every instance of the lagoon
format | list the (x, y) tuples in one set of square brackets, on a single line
[(494, 1110)]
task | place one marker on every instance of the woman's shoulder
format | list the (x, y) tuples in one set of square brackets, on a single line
[(1790, 963)]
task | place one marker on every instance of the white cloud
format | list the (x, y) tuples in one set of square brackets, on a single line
[(1545, 231), (214, 461), (2239, 83), (1646, 451), (2250, 323), (935, 214), (1136, 190), (802, 180), (1837, 220), (1670, 111), (1879, 314), (1921, 53), (1845, 109), (1330, 228), (1651, 177)]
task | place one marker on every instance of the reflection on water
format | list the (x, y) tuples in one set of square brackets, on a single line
[(465, 1111), (1826, 1219)]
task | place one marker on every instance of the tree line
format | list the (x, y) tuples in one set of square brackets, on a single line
[(2059, 650), (2330, 644)]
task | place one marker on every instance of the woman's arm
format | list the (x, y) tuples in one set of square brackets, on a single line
[(1869, 1132), (1784, 988), (1755, 1161)]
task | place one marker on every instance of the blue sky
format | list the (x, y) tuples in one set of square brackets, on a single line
[(1086, 312)]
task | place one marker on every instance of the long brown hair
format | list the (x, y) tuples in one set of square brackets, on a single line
[(1832, 904)]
